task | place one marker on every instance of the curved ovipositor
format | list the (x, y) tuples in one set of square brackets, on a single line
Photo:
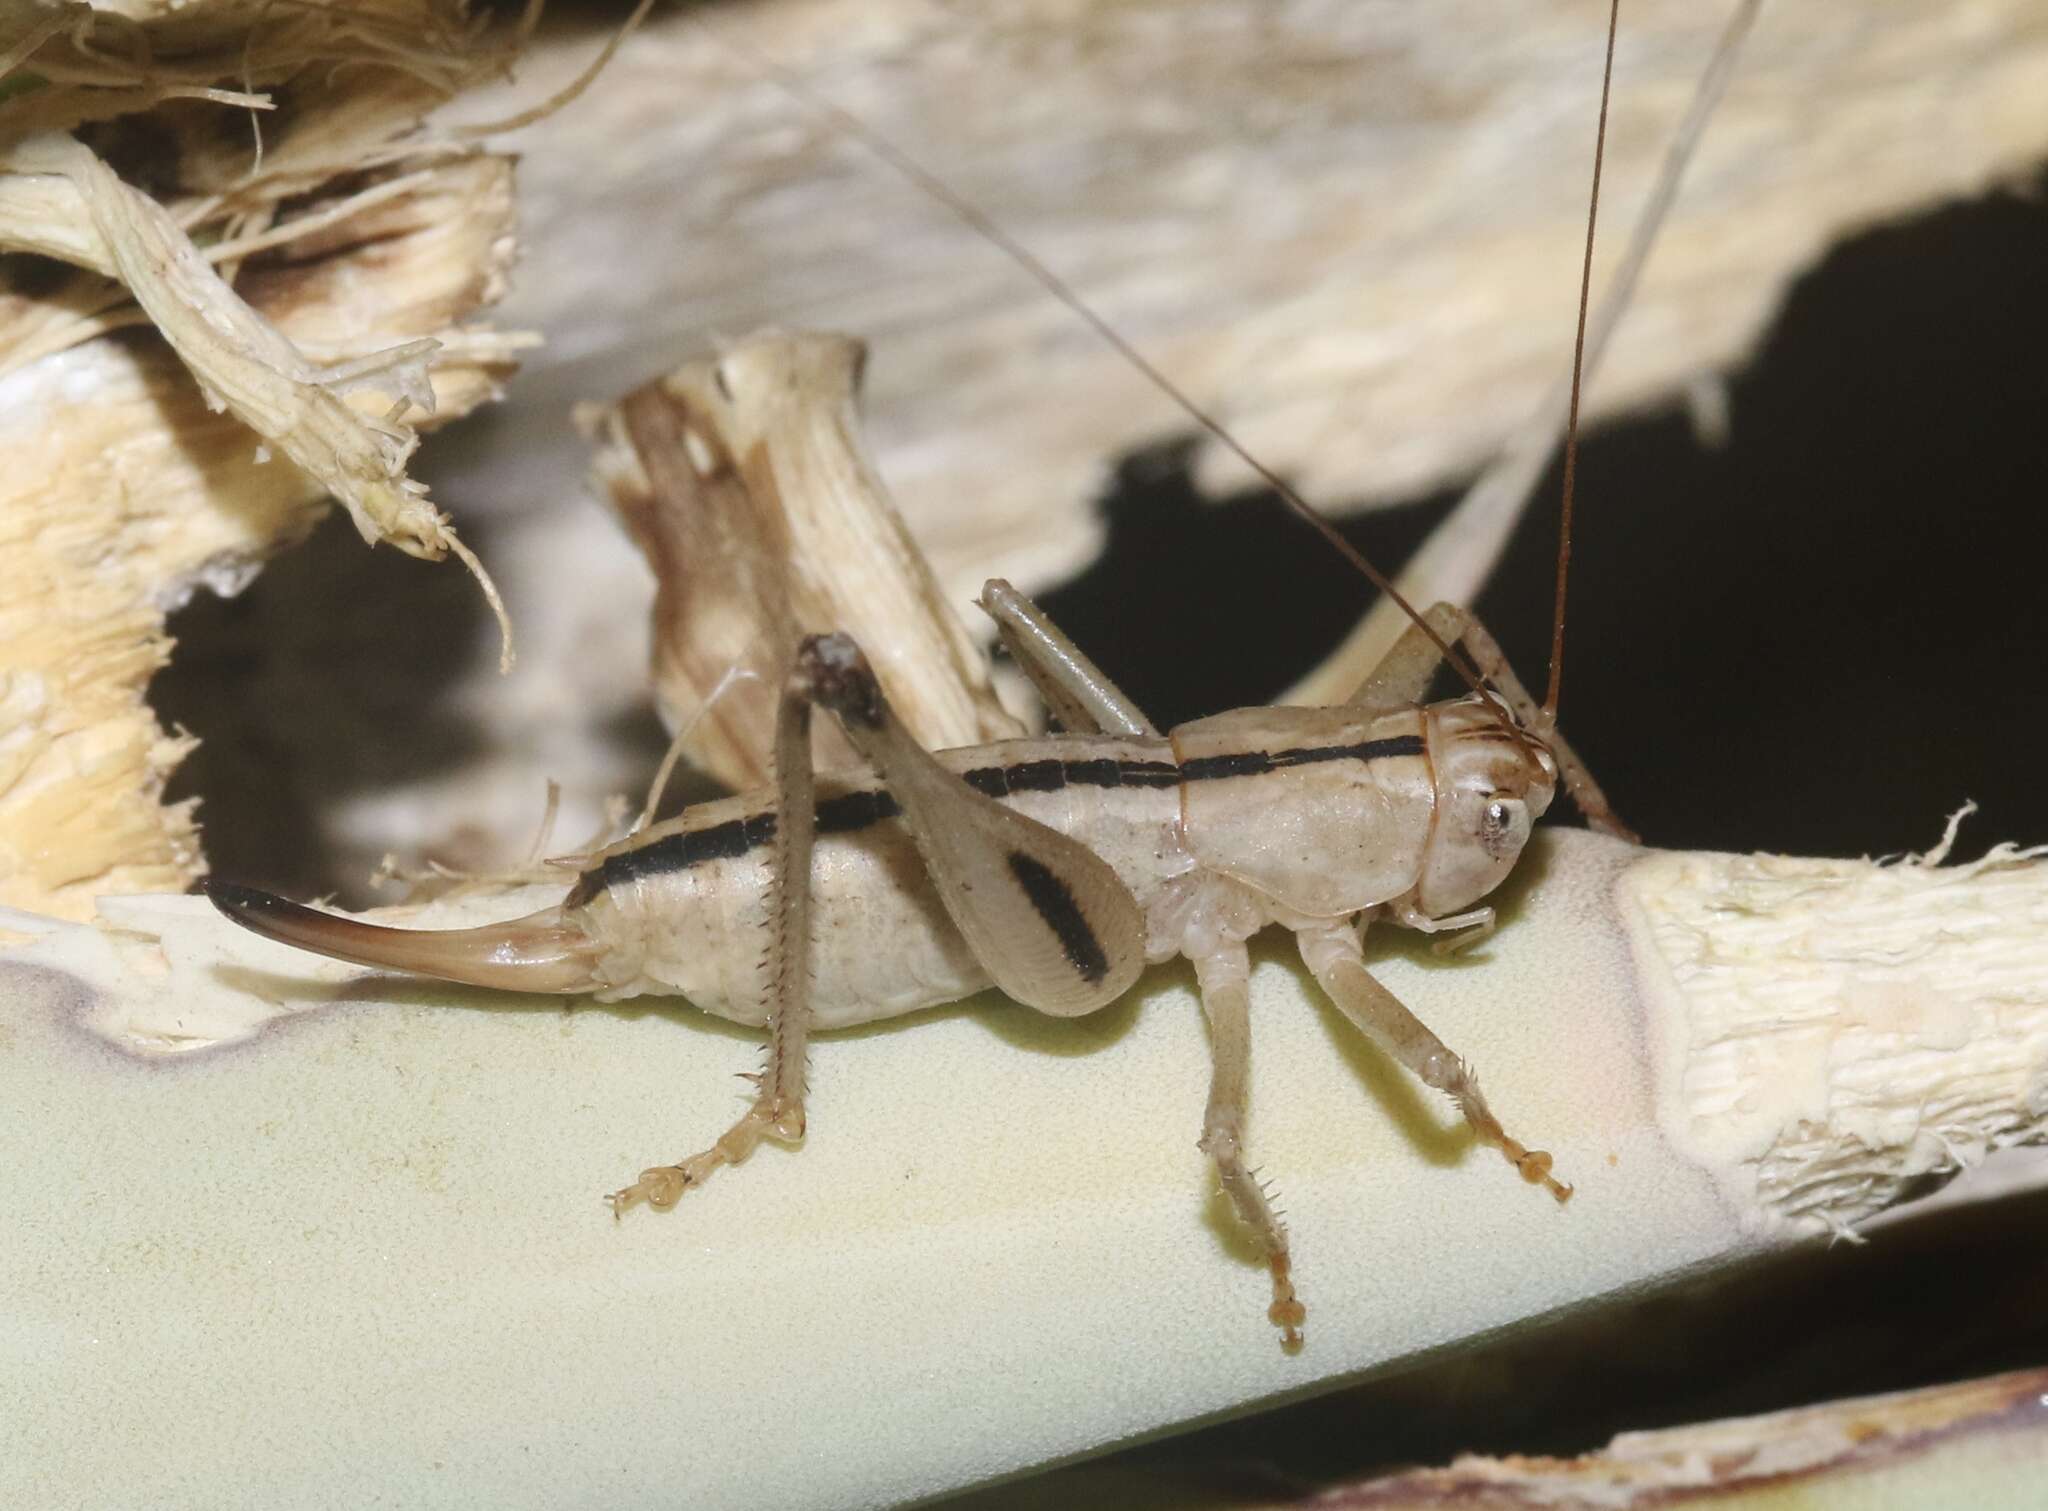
[(538, 953)]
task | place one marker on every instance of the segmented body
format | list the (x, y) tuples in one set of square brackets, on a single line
[(1210, 842)]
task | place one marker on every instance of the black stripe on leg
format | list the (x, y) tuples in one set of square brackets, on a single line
[(1056, 905)]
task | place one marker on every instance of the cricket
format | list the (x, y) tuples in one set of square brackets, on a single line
[(1056, 869)]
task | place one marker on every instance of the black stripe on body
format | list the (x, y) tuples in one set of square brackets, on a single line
[(850, 812), (1259, 762), (1051, 775), (1054, 903)]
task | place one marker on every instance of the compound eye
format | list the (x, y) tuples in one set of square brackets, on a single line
[(1503, 826)]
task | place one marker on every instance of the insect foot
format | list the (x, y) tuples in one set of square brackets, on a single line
[(1222, 974), (1286, 1313), (1333, 957), (1252, 1202), (662, 1186), (1449, 1074), (1535, 1167)]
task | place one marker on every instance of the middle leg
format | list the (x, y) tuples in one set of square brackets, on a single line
[(1223, 974), (1077, 691)]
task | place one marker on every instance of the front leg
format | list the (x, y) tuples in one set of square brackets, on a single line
[(1332, 954)]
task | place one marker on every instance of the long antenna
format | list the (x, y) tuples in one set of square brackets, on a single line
[(978, 220), (1571, 427)]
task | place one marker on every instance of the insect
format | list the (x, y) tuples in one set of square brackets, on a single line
[(1054, 869)]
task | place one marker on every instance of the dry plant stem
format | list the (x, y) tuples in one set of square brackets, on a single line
[(1892, 1013), (1434, 159), (95, 307), (1978, 1443), (742, 476), (570, 92), (23, 46), (240, 360), (1057, 288), (126, 489)]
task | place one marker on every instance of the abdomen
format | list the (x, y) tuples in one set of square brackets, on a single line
[(685, 908)]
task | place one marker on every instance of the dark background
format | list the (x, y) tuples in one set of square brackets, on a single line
[(1817, 639)]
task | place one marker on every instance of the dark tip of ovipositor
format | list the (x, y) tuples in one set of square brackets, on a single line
[(254, 909), (238, 901)]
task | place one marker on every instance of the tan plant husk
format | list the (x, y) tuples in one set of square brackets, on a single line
[(307, 284)]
